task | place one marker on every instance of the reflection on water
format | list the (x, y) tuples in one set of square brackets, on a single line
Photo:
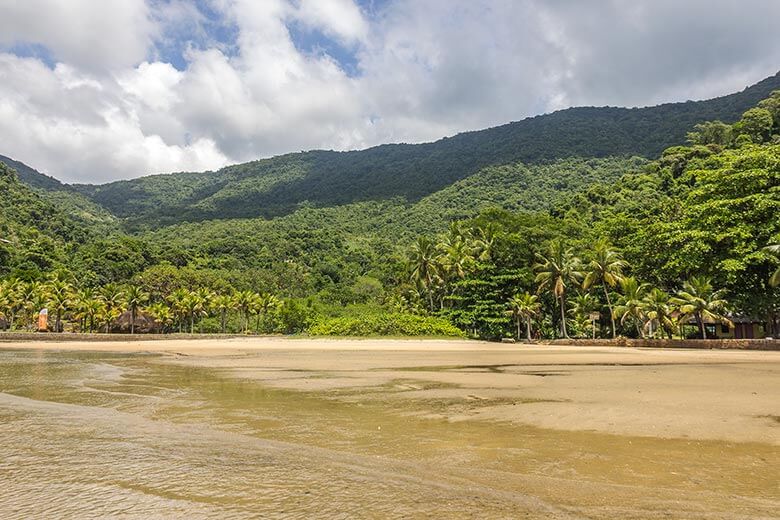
[(95, 435)]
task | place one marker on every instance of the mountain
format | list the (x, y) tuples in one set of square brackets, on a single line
[(64, 198), (280, 185)]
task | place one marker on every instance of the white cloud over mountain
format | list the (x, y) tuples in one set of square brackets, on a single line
[(95, 91)]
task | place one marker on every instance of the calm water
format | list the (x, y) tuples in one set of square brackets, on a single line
[(101, 435)]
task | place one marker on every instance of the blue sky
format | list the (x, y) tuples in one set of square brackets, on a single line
[(92, 91)]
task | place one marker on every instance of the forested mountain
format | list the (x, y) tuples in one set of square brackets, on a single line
[(65, 198), (691, 232), (278, 186)]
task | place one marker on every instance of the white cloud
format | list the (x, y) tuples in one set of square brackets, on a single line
[(111, 108), (339, 18), (87, 34)]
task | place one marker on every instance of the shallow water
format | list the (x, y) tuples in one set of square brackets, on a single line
[(91, 435)]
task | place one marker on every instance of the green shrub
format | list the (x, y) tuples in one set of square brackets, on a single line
[(385, 324)]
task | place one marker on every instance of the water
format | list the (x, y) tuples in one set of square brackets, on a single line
[(88, 435)]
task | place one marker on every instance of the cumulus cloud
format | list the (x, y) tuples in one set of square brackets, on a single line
[(131, 87)]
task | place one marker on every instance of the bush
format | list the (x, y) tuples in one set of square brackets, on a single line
[(385, 324)]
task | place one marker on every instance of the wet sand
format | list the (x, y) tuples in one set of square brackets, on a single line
[(434, 428), (700, 394)]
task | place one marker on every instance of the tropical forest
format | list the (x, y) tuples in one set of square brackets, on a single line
[(659, 222)]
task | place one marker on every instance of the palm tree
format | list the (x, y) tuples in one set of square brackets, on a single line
[(455, 260), (178, 300), (34, 297), (556, 272), (631, 305), (162, 314), (582, 305), (263, 305), (774, 280), (658, 311), (203, 298), (425, 266), (10, 298), (223, 303), (484, 240), (92, 309), (60, 295), (82, 300), (605, 269), (698, 299), (525, 307), (135, 297), (112, 297), (244, 302)]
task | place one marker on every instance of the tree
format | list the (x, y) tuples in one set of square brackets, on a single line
[(424, 266), (658, 310), (631, 305), (113, 298), (178, 302), (698, 299), (525, 307), (582, 305), (757, 124), (59, 292), (605, 269), (223, 303), (162, 314), (135, 299), (556, 272), (711, 132), (774, 280)]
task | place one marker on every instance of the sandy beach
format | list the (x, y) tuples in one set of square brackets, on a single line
[(409, 428), (699, 394)]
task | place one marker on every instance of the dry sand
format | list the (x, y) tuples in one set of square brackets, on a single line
[(697, 394)]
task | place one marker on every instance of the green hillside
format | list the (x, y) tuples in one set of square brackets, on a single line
[(67, 200), (278, 186)]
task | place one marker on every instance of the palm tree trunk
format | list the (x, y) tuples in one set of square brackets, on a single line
[(528, 329), (609, 306), (517, 322), (132, 320), (702, 330), (563, 317)]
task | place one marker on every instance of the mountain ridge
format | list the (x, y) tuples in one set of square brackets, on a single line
[(279, 185)]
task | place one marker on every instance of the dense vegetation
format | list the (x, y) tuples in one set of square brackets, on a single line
[(529, 250), (281, 185)]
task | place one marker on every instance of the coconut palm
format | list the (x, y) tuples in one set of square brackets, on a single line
[(605, 269), (774, 280), (699, 300), (135, 298), (582, 305), (203, 298), (60, 298), (178, 301), (244, 302), (223, 303), (82, 299), (264, 304), (557, 272), (631, 305), (524, 307), (113, 297), (658, 310), (162, 314), (424, 263), (10, 299)]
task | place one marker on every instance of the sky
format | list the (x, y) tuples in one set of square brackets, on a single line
[(99, 90)]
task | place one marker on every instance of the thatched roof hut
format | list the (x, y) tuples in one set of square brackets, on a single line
[(144, 323)]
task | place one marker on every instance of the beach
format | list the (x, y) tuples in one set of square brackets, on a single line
[(537, 431)]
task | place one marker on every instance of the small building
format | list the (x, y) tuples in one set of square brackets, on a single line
[(742, 327)]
